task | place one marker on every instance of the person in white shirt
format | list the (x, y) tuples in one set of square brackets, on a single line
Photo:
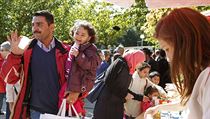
[(12, 91), (138, 85), (185, 36)]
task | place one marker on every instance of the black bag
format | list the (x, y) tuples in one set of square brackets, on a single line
[(98, 86)]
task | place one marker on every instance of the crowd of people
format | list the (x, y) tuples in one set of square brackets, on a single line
[(37, 77)]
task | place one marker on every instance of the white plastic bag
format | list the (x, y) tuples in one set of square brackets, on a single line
[(61, 113)]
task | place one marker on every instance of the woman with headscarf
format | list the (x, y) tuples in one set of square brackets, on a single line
[(110, 103)]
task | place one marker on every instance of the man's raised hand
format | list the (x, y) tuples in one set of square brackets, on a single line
[(15, 41)]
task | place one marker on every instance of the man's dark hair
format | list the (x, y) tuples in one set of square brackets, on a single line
[(153, 74), (48, 16), (142, 66), (150, 90), (162, 53), (147, 51)]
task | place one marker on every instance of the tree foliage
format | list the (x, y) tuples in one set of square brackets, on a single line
[(155, 15), (17, 14), (136, 17), (133, 22)]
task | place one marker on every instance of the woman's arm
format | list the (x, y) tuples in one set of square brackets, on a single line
[(138, 97), (176, 106)]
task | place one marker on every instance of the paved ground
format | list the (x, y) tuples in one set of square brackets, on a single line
[(88, 106)]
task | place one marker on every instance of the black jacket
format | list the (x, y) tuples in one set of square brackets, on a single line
[(110, 103)]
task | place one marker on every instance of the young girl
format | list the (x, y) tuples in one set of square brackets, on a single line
[(151, 92), (138, 86), (154, 77), (82, 63)]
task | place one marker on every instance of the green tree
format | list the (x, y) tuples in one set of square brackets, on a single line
[(17, 14), (104, 17), (135, 18), (154, 16)]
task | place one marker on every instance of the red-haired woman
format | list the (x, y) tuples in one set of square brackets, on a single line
[(185, 36)]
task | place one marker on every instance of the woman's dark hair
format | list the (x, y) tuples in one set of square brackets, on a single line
[(153, 74), (116, 55), (48, 16), (187, 31), (142, 66), (162, 53), (150, 90), (147, 51)]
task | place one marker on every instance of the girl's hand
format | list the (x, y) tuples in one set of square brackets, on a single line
[(74, 52), (129, 96), (145, 99), (150, 112)]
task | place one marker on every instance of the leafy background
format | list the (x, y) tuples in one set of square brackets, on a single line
[(133, 21)]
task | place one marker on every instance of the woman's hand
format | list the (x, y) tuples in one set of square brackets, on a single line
[(129, 96), (146, 99), (150, 112)]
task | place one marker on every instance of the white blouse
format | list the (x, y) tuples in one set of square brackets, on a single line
[(199, 102)]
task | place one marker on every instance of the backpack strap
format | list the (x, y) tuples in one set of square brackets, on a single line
[(15, 89), (145, 85)]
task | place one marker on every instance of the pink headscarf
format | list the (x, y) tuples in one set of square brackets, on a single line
[(134, 57)]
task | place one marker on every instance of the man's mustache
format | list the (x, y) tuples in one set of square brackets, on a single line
[(36, 32)]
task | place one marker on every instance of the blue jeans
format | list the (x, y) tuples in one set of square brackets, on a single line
[(7, 111), (34, 114), (1, 99)]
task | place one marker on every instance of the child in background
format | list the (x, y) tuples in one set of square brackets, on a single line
[(138, 86), (81, 64), (154, 77), (152, 93)]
